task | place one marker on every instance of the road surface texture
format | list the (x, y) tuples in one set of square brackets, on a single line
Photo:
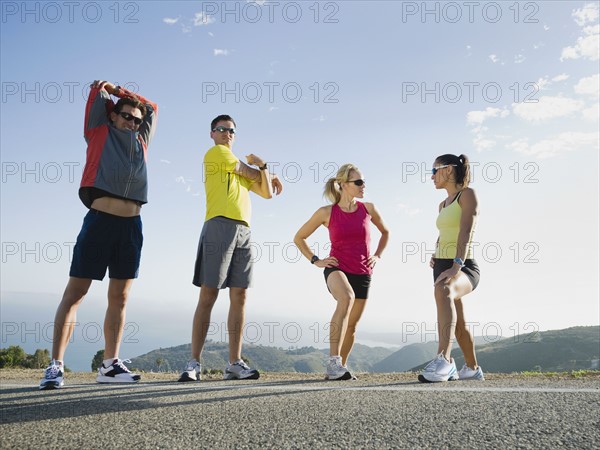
[(302, 411)]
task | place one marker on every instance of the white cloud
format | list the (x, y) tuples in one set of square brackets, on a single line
[(543, 83), (482, 144), (221, 52), (170, 21), (519, 59), (561, 77), (591, 114), (547, 108), (588, 45), (562, 143), (321, 118), (165, 161), (494, 58), (478, 117), (589, 13), (201, 18), (589, 86)]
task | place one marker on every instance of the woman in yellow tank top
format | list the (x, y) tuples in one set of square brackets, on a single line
[(455, 272)]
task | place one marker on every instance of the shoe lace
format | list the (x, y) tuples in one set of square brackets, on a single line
[(120, 363), (242, 364), (336, 363), (52, 371), (433, 363)]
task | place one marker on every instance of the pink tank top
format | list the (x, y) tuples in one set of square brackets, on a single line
[(350, 239)]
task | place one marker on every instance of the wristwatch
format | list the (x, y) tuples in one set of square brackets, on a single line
[(314, 259), (459, 261), (263, 167)]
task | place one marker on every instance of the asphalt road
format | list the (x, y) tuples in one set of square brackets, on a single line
[(296, 412)]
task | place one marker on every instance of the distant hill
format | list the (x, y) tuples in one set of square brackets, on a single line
[(574, 348), (558, 350), (270, 359), (414, 355)]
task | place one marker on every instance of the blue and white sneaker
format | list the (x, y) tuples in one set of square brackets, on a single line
[(466, 373), (336, 371), (239, 370), (116, 373), (192, 372), (440, 369), (53, 376)]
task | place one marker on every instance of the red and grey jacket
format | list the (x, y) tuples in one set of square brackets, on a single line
[(116, 159)]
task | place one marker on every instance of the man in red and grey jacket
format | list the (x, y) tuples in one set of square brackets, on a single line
[(114, 187)]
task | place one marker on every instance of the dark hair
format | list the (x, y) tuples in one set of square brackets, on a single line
[(462, 173), (218, 119), (131, 101)]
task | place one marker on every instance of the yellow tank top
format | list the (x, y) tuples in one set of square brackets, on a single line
[(448, 224), (226, 192)]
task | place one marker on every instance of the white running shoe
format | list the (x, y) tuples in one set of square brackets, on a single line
[(466, 373), (239, 370), (439, 370), (53, 376), (335, 369), (192, 372), (117, 373)]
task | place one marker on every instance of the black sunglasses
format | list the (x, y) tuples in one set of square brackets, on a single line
[(224, 129), (358, 182), (129, 117)]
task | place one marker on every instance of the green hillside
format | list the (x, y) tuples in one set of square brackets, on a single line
[(549, 351), (270, 359)]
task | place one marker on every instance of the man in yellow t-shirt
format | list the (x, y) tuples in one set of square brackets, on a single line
[(224, 258)]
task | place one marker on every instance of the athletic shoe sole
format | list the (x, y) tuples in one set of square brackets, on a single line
[(233, 376), (51, 385), (107, 380), (345, 376), (186, 377), (422, 379)]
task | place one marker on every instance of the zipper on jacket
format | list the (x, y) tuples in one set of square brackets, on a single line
[(131, 154)]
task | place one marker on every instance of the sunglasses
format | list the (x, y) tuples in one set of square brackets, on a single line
[(357, 182), (224, 129), (435, 169), (129, 117)]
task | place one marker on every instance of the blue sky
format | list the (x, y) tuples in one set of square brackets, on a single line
[(387, 86)]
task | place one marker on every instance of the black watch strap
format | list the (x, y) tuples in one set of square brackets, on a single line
[(314, 259)]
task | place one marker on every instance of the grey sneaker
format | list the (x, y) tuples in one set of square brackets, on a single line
[(335, 369), (439, 370), (53, 377), (466, 373), (192, 372), (240, 371), (117, 372)]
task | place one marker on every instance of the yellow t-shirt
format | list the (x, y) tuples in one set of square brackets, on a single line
[(227, 193), (448, 224)]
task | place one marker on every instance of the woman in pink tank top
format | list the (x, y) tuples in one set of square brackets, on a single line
[(349, 266)]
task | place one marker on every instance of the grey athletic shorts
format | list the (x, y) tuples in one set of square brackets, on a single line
[(224, 256)]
